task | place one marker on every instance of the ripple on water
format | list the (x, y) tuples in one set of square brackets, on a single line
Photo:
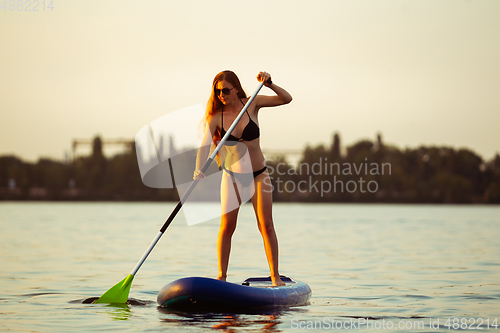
[(130, 301)]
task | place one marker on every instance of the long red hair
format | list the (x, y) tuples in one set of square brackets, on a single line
[(214, 104)]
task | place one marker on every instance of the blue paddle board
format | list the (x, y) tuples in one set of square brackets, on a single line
[(199, 293)]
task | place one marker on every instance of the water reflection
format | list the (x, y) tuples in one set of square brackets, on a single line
[(265, 321), (118, 311)]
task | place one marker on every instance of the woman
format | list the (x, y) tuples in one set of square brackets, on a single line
[(241, 152)]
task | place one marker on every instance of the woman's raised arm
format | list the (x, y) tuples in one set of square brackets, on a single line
[(282, 96)]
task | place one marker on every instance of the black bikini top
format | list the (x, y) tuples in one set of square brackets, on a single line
[(251, 131)]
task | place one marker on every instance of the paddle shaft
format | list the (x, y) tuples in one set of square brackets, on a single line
[(194, 183)]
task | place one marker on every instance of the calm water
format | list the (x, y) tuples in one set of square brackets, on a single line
[(386, 263)]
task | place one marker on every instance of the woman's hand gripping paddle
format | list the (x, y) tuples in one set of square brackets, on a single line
[(119, 292)]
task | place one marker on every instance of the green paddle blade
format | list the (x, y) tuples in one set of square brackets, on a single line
[(118, 293)]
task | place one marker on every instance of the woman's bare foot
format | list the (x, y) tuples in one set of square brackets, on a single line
[(277, 281), (221, 278)]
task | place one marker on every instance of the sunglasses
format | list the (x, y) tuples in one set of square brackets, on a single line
[(225, 91)]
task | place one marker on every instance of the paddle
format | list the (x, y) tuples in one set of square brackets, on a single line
[(119, 292)]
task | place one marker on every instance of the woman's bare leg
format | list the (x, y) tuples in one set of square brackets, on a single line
[(226, 230), (262, 201), (229, 212)]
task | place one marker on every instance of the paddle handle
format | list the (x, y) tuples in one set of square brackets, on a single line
[(194, 183)]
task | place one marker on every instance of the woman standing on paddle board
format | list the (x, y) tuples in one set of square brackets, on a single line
[(243, 162)]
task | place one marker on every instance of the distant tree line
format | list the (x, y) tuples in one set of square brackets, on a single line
[(421, 175), (363, 172)]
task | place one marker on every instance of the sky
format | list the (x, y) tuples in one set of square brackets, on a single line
[(418, 72)]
